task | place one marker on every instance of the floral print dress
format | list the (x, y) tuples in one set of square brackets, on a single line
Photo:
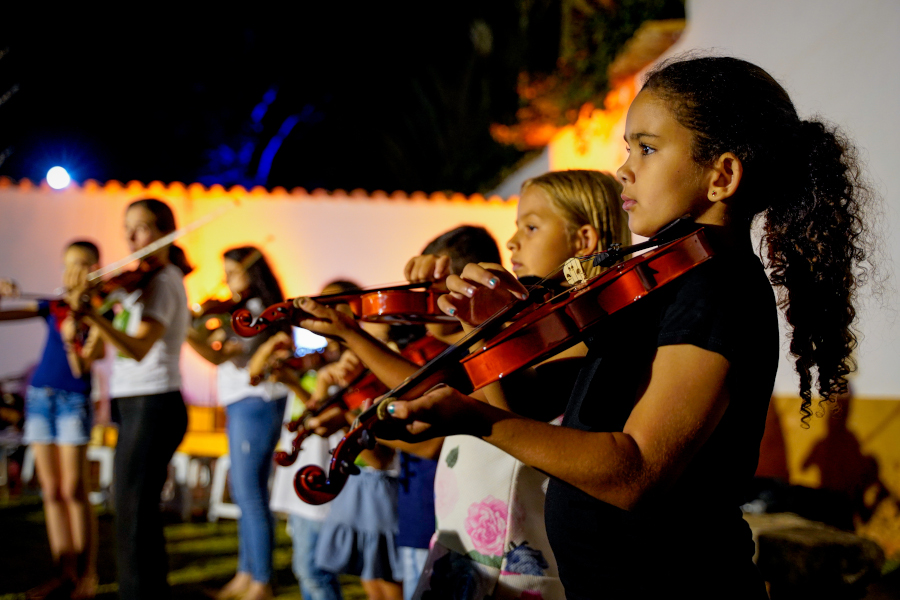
[(490, 541)]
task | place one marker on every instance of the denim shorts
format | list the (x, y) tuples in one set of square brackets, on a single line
[(57, 417)]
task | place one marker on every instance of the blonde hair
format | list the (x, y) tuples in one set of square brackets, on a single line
[(585, 197)]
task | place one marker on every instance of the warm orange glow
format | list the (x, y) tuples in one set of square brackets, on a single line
[(595, 140)]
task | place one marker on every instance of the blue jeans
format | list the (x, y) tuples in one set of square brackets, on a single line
[(253, 428), (55, 416), (412, 561), (315, 583)]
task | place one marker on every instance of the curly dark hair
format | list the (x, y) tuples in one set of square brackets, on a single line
[(803, 178)]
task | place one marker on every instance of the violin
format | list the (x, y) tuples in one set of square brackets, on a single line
[(407, 304), (543, 328), (135, 279), (362, 388), (557, 325)]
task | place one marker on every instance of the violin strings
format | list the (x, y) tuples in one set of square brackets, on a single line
[(502, 312)]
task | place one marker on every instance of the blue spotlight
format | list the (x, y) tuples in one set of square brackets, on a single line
[(58, 178)]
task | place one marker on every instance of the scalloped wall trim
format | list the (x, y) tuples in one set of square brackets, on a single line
[(198, 191)]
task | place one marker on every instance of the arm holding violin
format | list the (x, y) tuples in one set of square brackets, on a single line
[(10, 288), (134, 346), (391, 368), (269, 362), (475, 295), (682, 403), (92, 349), (200, 344)]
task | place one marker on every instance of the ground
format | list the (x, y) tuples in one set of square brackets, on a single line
[(202, 555)]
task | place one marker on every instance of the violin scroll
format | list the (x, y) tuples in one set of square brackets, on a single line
[(245, 325), (286, 459), (311, 483)]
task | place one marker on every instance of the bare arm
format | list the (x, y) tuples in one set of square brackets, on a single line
[(26, 310), (80, 359), (230, 348), (682, 404), (18, 314), (388, 366), (133, 346)]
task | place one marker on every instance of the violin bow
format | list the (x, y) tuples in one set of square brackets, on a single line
[(162, 242)]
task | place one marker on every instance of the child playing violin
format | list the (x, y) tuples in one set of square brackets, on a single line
[(148, 331), (254, 421), (662, 428), (489, 506), (272, 361), (58, 428)]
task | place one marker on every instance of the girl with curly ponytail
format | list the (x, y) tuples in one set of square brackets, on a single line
[(662, 428), (802, 179)]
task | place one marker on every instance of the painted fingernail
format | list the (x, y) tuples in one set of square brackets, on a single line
[(493, 281), (391, 408), (470, 291), (452, 312)]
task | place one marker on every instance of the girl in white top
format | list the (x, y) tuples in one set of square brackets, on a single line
[(254, 418), (150, 323)]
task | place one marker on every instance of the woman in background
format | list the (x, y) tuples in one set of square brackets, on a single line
[(254, 420)]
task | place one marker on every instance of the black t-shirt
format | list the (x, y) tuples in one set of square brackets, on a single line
[(691, 535)]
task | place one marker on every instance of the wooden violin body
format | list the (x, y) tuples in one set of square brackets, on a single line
[(538, 332), (403, 307), (397, 305), (559, 323)]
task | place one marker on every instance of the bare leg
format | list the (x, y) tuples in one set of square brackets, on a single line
[(74, 478), (236, 587), (46, 459), (258, 591)]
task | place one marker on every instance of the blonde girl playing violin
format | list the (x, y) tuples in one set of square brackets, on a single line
[(663, 425), (148, 332), (491, 537)]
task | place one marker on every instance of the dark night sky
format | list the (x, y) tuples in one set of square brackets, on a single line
[(374, 95)]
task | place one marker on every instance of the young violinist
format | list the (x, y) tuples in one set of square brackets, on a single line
[(150, 325), (58, 428), (489, 505), (254, 419), (662, 428), (304, 520)]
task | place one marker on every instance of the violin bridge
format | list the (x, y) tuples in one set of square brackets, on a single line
[(574, 272)]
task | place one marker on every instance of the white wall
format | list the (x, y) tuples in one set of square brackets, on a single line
[(309, 239), (837, 59)]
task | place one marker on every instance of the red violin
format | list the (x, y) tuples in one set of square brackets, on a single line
[(412, 303), (541, 330)]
